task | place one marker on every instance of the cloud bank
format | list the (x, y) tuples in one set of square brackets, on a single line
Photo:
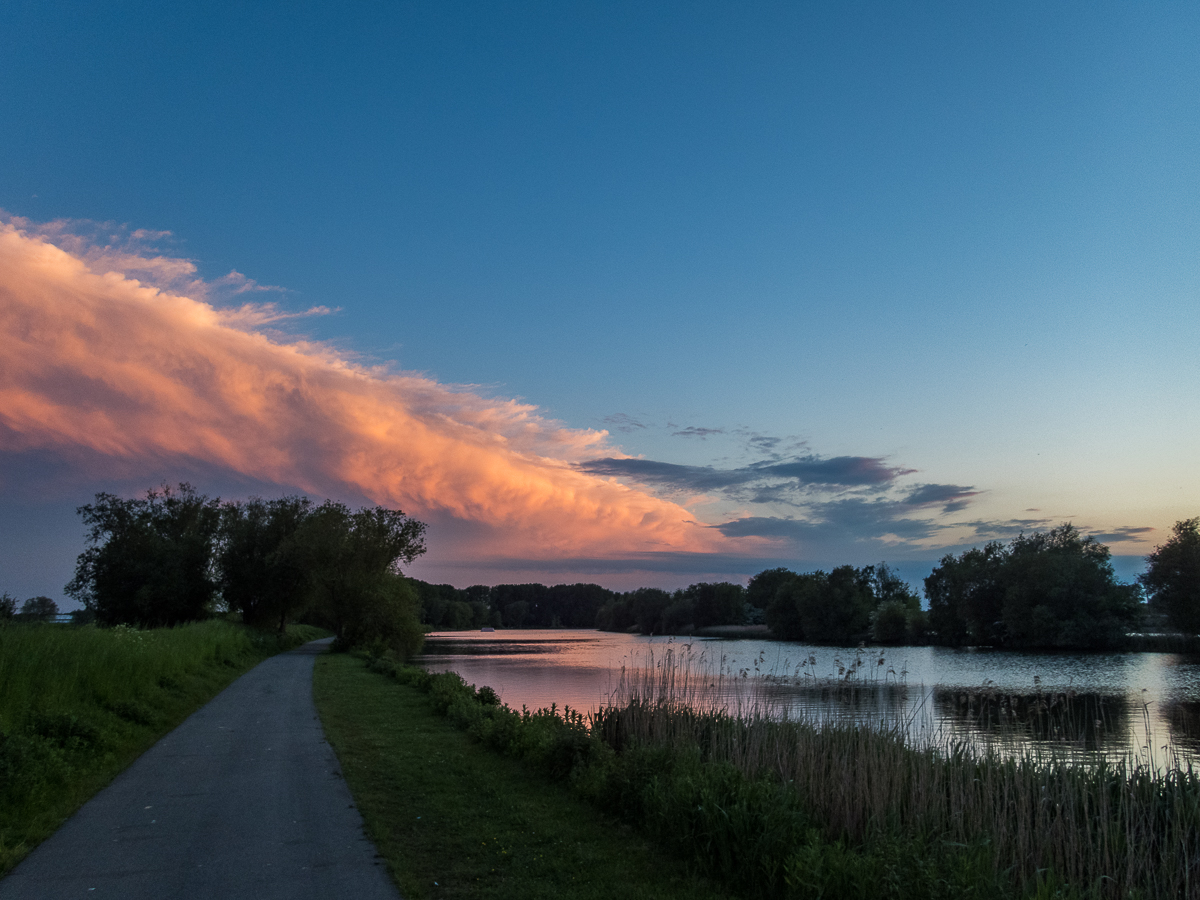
[(127, 355)]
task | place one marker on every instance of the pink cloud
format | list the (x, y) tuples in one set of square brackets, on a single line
[(122, 355)]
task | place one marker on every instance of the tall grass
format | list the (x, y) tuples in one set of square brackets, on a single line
[(77, 704), (1111, 829)]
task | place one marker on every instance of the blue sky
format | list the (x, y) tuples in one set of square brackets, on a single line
[(953, 248)]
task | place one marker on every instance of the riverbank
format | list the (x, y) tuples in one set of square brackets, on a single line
[(795, 809), (454, 819), (79, 704)]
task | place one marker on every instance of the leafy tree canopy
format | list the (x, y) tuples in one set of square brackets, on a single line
[(149, 561), (1172, 577), (1053, 589)]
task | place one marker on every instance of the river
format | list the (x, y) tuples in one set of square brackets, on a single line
[(1144, 706)]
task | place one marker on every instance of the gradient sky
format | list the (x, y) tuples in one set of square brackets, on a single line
[(629, 293)]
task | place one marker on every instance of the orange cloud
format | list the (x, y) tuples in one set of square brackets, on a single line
[(123, 354)]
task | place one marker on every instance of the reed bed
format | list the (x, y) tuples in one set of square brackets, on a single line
[(1122, 828)]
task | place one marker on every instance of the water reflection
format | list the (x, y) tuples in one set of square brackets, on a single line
[(1089, 722), (1115, 705)]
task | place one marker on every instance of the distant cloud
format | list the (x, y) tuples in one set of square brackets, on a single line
[(842, 521), (117, 357), (838, 471), (111, 353), (1121, 534), (1004, 529), (764, 443), (951, 497), (694, 431), (623, 423)]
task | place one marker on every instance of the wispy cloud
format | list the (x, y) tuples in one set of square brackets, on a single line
[(126, 356), (1122, 533), (837, 471), (951, 497), (696, 431), (623, 423)]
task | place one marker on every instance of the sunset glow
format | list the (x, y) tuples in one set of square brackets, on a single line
[(634, 295), (96, 359)]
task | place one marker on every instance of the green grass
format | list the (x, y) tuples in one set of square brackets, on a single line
[(454, 819), (77, 705)]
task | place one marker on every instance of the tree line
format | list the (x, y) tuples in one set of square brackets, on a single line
[(1054, 590), (177, 556)]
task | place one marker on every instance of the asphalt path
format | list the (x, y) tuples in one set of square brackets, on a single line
[(243, 800)]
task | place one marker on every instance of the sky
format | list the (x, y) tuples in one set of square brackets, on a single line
[(627, 293)]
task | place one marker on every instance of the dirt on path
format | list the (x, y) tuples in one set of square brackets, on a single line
[(243, 800)]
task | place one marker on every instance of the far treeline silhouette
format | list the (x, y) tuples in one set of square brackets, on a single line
[(1053, 589), (176, 556)]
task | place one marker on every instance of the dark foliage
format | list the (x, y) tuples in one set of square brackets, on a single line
[(38, 609), (149, 561), (352, 573), (176, 556), (261, 564), (1172, 577), (1052, 589)]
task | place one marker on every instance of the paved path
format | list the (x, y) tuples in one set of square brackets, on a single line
[(243, 800)]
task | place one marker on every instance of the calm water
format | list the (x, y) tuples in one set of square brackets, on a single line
[(1086, 704)]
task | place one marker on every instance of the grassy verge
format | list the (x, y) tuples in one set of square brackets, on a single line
[(454, 819), (77, 705)]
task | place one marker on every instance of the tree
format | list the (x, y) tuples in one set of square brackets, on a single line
[(8, 607), (1061, 591), (1052, 589), (149, 561), (898, 617), (966, 597), (783, 613), (352, 568), (648, 607), (889, 623), (838, 607), (262, 569), (717, 603), (763, 587), (616, 614), (39, 609), (1172, 577)]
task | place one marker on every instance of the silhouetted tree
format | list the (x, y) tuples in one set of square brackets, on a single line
[(1172, 577), (39, 609), (1052, 589), (149, 561), (717, 603), (1060, 591), (763, 587), (353, 573), (648, 607), (262, 566), (966, 597)]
